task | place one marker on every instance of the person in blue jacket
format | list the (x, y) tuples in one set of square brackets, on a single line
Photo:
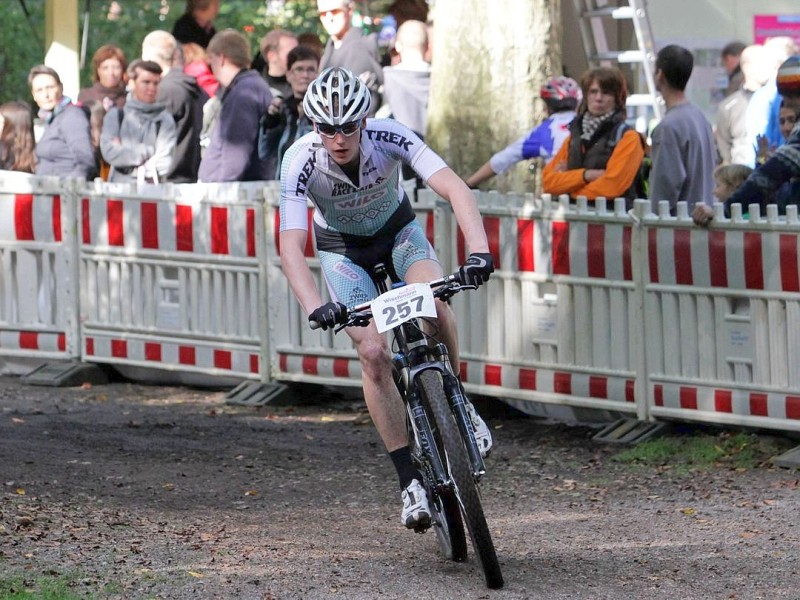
[(561, 95)]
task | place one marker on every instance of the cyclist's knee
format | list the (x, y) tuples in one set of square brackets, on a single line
[(373, 352), (445, 314)]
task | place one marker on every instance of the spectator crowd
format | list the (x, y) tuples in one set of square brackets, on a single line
[(199, 105)]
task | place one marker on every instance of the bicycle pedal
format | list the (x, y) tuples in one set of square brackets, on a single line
[(422, 528)]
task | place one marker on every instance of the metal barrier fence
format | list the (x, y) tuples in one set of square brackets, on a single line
[(591, 307), (555, 322)]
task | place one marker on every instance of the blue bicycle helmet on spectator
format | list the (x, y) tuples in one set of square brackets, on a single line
[(337, 97)]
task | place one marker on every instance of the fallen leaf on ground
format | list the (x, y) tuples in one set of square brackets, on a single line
[(749, 534)]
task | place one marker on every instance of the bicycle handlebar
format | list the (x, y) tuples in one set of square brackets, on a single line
[(361, 315)]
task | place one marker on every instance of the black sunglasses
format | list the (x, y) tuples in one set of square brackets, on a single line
[(346, 130)]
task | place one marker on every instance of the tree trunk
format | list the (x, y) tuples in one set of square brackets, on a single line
[(489, 61)]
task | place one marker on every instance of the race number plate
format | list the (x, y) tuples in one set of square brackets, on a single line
[(403, 304)]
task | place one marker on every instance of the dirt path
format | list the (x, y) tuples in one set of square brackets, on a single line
[(132, 491)]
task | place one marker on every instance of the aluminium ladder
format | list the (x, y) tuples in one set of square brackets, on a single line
[(593, 16)]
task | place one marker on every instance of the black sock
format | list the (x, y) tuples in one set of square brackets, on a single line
[(406, 471)]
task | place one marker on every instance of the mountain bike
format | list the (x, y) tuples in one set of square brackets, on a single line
[(440, 430)]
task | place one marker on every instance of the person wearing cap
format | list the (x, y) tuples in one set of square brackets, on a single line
[(602, 154), (782, 167), (561, 96)]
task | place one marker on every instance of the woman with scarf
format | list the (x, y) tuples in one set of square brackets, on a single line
[(602, 155), (65, 148), (109, 86)]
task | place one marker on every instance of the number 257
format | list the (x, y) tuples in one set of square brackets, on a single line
[(401, 310)]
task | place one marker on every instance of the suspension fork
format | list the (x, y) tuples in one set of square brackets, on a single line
[(455, 395), (425, 433)]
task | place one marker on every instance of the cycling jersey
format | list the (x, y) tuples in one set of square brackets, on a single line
[(542, 141), (308, 173), (356, 227)]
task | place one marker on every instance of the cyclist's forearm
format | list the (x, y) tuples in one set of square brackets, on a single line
[(450, 187), (297, 271)]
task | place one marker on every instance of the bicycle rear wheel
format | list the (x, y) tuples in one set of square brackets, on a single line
[(447, 523), (433, 395)]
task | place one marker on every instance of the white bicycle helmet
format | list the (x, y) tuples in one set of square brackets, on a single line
[(336, 97)]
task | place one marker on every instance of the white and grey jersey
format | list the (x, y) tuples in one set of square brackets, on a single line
[(308, 173)]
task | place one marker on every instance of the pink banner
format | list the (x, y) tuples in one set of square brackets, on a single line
[(767, 26)]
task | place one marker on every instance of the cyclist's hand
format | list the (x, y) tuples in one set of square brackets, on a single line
[(476, 270), (329, 315)]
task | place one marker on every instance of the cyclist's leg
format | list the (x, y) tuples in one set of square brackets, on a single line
[(380, 393), (389, 415), (351, 284)]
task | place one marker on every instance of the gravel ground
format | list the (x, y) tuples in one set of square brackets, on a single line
[(133, 491)]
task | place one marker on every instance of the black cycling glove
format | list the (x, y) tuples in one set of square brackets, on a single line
[(476, 270), (329, 315)]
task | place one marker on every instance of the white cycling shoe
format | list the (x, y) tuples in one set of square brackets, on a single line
[(483, 436), (416, 511)]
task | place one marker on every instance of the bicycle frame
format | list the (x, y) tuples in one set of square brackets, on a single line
[(415, 355)]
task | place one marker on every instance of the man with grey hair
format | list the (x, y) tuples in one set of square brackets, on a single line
[(184, 100), (349, 48), (233, 150)]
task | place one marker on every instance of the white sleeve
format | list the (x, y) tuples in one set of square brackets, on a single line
[(297, 165), (507, 157)]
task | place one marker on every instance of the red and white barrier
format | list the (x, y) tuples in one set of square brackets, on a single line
[(590, 307), (722, 314), (172, 277), (38, 266)]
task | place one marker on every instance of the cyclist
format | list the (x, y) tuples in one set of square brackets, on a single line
[(349, 168)]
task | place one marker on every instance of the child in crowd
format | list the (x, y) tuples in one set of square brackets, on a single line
[(727, 178)]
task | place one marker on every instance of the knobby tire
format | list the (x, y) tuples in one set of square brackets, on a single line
[(449, 527), (433, 394)]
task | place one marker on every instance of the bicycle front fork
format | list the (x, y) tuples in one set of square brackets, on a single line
[(455, 395)]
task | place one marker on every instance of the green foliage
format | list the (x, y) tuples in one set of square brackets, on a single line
[(42, 588), (704, 451), (22, 39), (21, 47)]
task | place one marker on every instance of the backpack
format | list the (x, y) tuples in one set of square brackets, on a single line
[(641, 182)]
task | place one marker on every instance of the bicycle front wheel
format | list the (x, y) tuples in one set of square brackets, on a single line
[(447, 523), (430, 383)]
